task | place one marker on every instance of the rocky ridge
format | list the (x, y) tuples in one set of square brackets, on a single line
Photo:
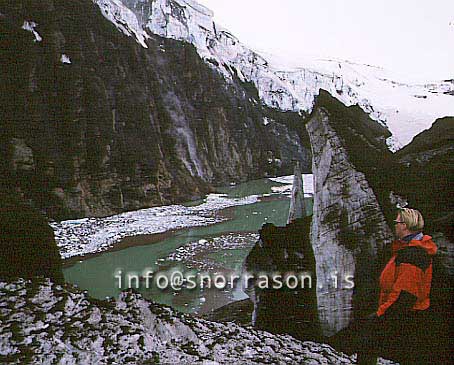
[(47, 323)]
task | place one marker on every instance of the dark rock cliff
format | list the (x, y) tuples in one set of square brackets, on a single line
[(427, 175), (123, 127)]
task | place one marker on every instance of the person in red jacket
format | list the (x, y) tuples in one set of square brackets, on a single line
[(397, 326)]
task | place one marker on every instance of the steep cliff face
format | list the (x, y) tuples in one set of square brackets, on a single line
[(349, 229), (96, 122)]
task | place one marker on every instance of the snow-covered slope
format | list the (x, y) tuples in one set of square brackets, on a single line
[(405, 108), (49, 324)]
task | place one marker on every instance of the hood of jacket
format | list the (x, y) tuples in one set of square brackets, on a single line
[(425, 242)]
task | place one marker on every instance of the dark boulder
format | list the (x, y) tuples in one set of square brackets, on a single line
[(285, 250), (27, 244)]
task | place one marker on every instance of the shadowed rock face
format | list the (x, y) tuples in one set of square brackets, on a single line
[(27, 244), (354, 176), (349, 229), (285, 250), (427, 165), (122, 127)]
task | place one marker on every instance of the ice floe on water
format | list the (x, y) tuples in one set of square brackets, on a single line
[(193, 253), (91, 235)]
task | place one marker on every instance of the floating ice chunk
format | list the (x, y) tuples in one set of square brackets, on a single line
[(30, 26), (65, 59)]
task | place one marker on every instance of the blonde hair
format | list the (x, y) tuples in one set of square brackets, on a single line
[(412, 218)]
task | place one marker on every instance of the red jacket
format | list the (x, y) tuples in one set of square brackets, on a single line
[(408, 270)]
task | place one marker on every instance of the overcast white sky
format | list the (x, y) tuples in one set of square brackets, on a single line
[(411, 37)]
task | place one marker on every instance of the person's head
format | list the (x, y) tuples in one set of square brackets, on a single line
[(408, 221)]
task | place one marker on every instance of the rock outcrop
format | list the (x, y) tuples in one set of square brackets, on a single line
[(349, 228), (297, 203)]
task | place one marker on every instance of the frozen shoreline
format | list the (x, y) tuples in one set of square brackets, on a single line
[(94, 235)]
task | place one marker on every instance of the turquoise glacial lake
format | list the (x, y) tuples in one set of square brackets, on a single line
[(220, 248)]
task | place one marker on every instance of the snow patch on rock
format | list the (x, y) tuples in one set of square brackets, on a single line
[(65, 59), (30, 26)]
